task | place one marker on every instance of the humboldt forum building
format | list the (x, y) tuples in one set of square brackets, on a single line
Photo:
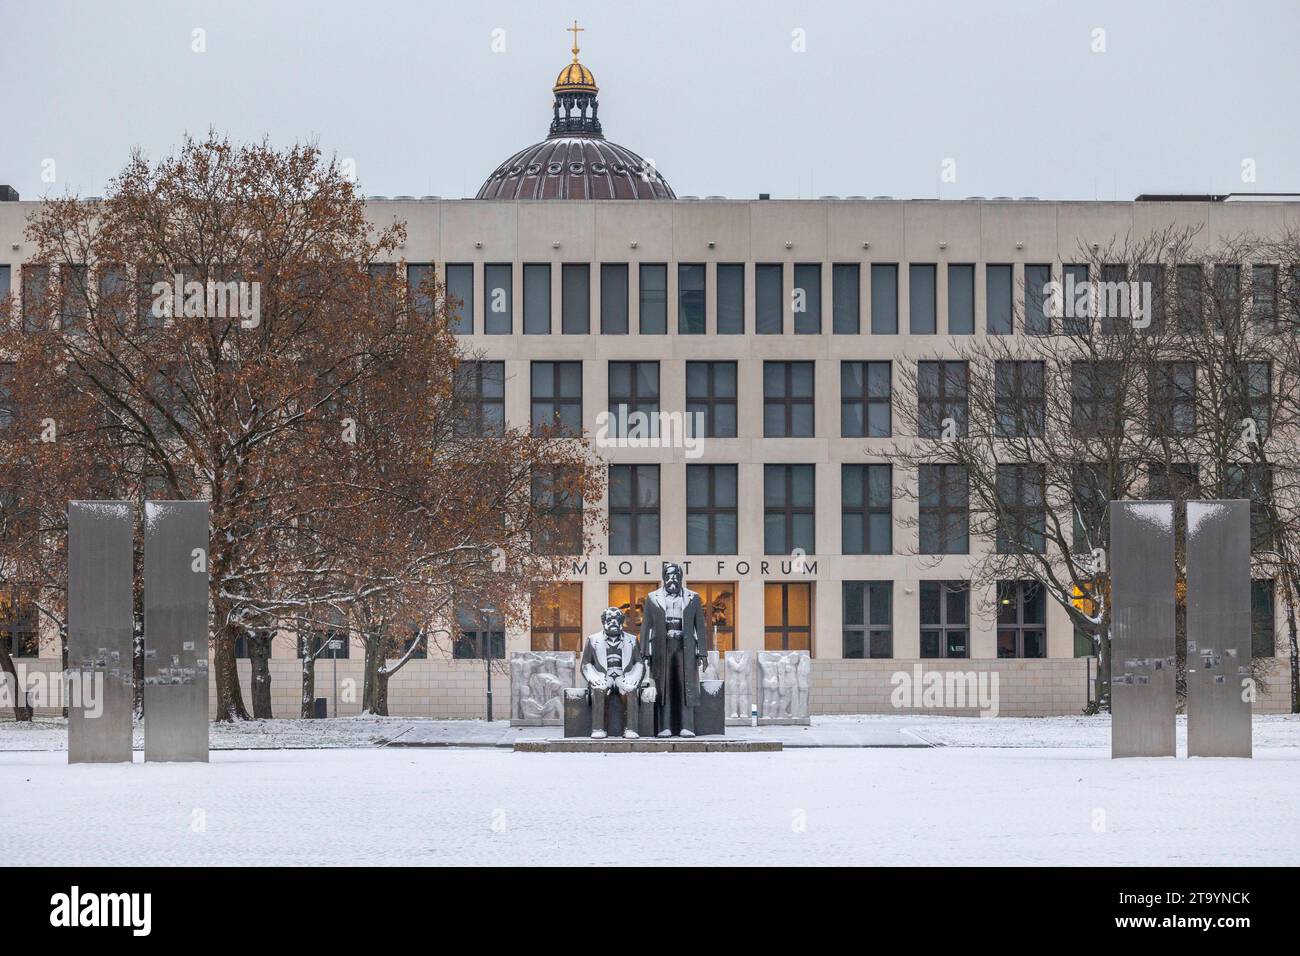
[(587, 284)]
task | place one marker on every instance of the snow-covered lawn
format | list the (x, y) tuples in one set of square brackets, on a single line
[(947, 805)]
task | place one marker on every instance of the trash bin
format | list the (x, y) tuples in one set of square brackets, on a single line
[(320, 707)]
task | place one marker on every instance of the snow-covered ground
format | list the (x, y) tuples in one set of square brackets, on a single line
[(946, 805)]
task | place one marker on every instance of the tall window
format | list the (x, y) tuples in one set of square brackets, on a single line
[(731, 298), (945, 619), (1037, 296), (557, 397), (1078, 299), (922, 295), (1263, 640), (499, 299), (1151, 281), (884, 298), (1189, 305), (787, 617), (943, 509), (613, 298), (787, 399), (998, 317), (5, 279), (537, 298), (653, 299), (866, 509), (865, 396), (868, 619), (633, 509), (769, 299), (634, 391), (1022, 619), (961, 300), (556, 615), (941, 399), (1227, 296), (419, 279), (1018, 396), (806, 300), (846, 298), (1171, 405), (557, 503), (711, 514), (19, 632), (1114, 297), (1022, 517), (690, 298), (1091, 493), (36, 290), (1094, 395), (711, 399), (575, 298), (74, 292), (480, 633), (460, 297), (1263, 296), (1254, 482), (481, 397), (789, 499), (1249, 393)]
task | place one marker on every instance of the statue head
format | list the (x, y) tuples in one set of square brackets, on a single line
[(611, 621), (672, 577)]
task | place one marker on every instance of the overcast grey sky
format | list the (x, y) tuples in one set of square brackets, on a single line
[(1016, 92)]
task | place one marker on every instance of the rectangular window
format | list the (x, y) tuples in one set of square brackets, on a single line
[(557, 503), (807, 300), (36, 290), (145, 278), (884, 299), (789, 500), (556, 618), (1018, 399), (1189, 299), (769, 299), (787, 399), (1094, 397), (998, 319), (1022, 619), (945, 619), (922, 305), (480, 633), (1091, 492), (613, 298), (1263, 640), (1171, 399), (731, 298), (846, 298), (690, 298), (7, 370), (1263, 296), (19, 631), (481, 398), (865, 396), (326, 643), (711, 514), (634, 398), (537, 298), (866, 509), (941, 396), (943, 509), (419, 285), (653, 298), (1255, 483), (868, 619), (1114, 299), (1022, 514), (1227, 297), (711, 399), (575, 298), (556, 398), (1077, 300), (460, 298), (1248, 391), (1037, 296), (499, 299), (961, 300), (6, 278), (74, 298), (787, 617), (633, 509)]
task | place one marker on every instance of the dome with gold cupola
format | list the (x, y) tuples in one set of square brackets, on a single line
[(575, 161)]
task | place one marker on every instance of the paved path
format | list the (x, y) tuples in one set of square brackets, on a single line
[(498, 733)]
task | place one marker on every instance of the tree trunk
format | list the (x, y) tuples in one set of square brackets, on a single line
[(22, 711), (259, 653), (1102, 702), (1295, 656), (308, 678), (373, 700), (230, 699), (381, 693)]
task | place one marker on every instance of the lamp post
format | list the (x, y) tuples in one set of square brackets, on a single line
[(486, 622)]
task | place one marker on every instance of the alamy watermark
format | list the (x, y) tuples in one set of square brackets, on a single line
[(1117, 299), (919, 689), (208, 300), (625, 428)]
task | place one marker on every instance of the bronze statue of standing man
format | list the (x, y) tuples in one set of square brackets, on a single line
[(673, 641)]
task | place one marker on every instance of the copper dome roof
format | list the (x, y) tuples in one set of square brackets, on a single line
[(575, 161)]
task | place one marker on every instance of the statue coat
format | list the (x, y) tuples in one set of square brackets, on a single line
[(654, 632)]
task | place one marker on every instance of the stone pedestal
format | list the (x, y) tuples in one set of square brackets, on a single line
[(537, 680), (577, 715), (710, 713)]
